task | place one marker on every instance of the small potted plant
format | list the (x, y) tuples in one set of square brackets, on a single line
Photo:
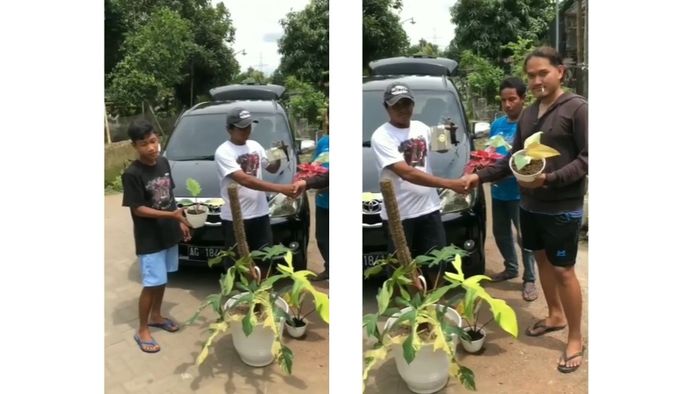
[(196, 213), (296, 321), (473, 336), (530, 161), (483, 158)]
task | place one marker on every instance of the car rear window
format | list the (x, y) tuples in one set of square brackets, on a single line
[(198, 136)]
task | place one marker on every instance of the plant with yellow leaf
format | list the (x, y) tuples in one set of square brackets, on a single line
[(530, 161), (472, 296), (253, 310)]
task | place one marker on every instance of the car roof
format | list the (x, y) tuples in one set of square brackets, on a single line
[(413, 65), (219, 107), (415, 82)]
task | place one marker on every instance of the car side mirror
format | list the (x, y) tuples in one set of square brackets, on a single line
[(307, 146)]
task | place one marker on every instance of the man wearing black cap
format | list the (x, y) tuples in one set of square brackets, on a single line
[(238, 160), (401, 146)]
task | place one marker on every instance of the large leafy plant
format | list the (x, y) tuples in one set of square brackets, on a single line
[(420, 321), (533, 150), (256, 301)]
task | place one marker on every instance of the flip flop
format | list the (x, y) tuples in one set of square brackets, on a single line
[(540, 324), (564, 368), (142, 344), (167, 325)]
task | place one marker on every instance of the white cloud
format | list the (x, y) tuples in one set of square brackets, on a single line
[(258, 28)]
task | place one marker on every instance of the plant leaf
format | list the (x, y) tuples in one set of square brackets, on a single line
[(248, 322), (370, 323), (384, 296), (373, 270), (193, 187), (521, 161), (409, 353), (505, 316), (533, 139), (285, 359), (540, 151), (436, 295), (466, 377)]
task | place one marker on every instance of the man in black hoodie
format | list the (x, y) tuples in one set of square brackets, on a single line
[(551, 207)]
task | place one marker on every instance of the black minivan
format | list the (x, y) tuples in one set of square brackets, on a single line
[(190, 151), (437, 101)]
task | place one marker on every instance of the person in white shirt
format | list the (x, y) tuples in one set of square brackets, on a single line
[(401, 146), (241, 160)]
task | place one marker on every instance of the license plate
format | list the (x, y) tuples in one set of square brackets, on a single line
[(202, 253), (370, 259)]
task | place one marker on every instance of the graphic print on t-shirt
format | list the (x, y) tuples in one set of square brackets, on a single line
[(414, 151), (249, 162), (159, 188)]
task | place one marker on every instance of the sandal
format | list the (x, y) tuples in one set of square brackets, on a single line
[(534, 332), (144, 345), (565, 359), (167, 325)]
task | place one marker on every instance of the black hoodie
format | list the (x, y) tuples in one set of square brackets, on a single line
[(565, 127)]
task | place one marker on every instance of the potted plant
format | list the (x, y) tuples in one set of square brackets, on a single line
[(251, 308), (255, 312), (472, 336), (196, 213), (483, 158), (529, 162), (420, 331), (296, 322)]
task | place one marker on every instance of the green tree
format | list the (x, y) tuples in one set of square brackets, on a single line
[(210, 61), (304, 44), (483, 77), (251, 75), (484, 26), (305, 102), (519, 51), (382, 34), (424, 48), (155, 55)]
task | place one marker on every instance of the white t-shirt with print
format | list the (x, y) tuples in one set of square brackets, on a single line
[(392, 145), (249, 158)]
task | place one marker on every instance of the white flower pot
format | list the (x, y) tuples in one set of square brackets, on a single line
[(429, 370), (256, 349), (521, 177), (197, 220), (296, 332), (474, 346)]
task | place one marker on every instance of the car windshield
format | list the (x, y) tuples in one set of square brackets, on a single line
[(197, 136), (431, 107)]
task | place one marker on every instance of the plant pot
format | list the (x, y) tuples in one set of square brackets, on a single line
[(429, 370), (522, 177), (474, 346), (197, 220), (296, 332), (256, 349)]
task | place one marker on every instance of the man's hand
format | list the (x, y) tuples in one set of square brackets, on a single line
[(458, 185), (186, 236), (179, 215), (299, 187), (538, 182), (289, 190), (471, 180)]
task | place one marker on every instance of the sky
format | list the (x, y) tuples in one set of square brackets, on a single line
[(258, 29), (432, 21)]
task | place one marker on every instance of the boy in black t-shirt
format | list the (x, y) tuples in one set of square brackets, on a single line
[(158, 227)]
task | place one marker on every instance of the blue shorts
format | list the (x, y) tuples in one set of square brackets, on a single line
[(155, 266)]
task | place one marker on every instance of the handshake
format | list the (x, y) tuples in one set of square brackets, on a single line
[(295, 189)]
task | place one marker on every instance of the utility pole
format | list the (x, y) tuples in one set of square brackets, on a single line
[(579, 46)]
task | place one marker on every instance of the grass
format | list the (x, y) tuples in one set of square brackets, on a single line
[(117, 156)]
